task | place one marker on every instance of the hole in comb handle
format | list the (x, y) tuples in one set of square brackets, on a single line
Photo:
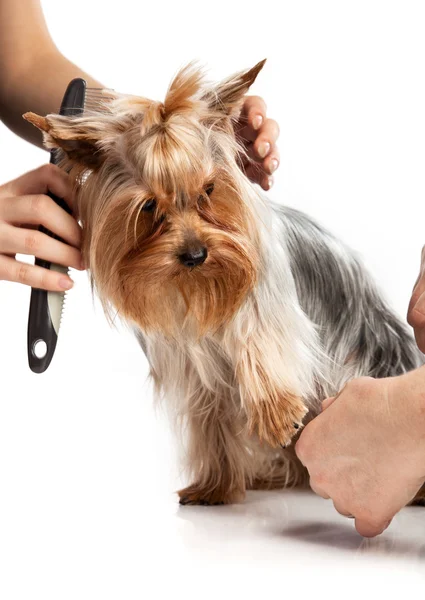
[(39, 349)]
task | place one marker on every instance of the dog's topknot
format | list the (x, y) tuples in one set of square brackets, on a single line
[(86, 140)]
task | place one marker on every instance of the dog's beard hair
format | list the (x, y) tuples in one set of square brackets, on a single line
[(280, 312), (271, 323), (134, 263), (201, 378)]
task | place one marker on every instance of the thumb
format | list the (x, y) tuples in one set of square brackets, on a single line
[(326, 403), (329, 401), (369, 530), (417, 321), (416, 311)]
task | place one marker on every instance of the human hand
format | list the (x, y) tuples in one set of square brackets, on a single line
[(416, 311), (258, 135), (366, 451), (24, 205)]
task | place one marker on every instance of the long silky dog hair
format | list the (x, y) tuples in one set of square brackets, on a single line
[(249, 313)]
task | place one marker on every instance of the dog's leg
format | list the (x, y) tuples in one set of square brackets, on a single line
[(275, 409), (277, 469), (217, 454)]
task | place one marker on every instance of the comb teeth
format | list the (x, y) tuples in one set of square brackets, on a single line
[(64, 301), (56, 300), (97, 98), (47, 309), (62, 297)]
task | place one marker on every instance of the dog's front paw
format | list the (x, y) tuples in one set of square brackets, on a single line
[(277, 421), (196, 494)]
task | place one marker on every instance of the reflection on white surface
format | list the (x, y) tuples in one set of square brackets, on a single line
[(88, 509), (292, 518)]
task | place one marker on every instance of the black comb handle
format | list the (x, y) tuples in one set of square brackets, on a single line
[(46, 307)]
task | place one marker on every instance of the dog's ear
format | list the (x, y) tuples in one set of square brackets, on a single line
[(81, 138), (227, 97)]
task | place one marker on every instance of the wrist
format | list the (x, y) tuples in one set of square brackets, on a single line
[(408, 392)]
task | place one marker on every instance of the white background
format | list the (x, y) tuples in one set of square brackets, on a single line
[(87, 469)]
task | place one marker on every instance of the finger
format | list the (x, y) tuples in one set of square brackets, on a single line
[(254, 112), (48, 178), (14, 240), (251, 119), (342, 510), (270, 163), (246, 133), (270, 130), (267, 183), (41, 210), (416, 315), (420, 339), (256, 174), (266, 140), (327, 403), (318, 490), (418, 290), (416, 318), (34, 276), (369, 530), (419, 309)]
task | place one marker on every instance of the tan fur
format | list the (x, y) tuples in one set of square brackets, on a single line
[(235, 405), (282, 471)]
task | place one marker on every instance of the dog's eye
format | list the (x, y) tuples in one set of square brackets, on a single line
[(209, 189), (207, 192), (149, 205)]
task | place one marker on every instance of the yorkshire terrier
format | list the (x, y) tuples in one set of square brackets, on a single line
[(249, 312)]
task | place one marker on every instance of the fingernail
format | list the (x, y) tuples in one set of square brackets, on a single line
[(66, 283), (263, 149), (270, 182), (274, 163), (257, 121)]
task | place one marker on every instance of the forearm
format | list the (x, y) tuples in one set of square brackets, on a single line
[(413, 386), (38, 88), (33, 73)]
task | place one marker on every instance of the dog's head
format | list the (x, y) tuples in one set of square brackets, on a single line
[(168, 234)]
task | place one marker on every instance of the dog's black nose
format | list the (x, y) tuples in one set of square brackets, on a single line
[(193, 257)]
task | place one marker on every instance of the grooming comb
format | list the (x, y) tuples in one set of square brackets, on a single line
[(46, 308)]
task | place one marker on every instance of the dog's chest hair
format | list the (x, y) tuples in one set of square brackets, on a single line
[(269, 332), (180, 367), (314, 320)]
